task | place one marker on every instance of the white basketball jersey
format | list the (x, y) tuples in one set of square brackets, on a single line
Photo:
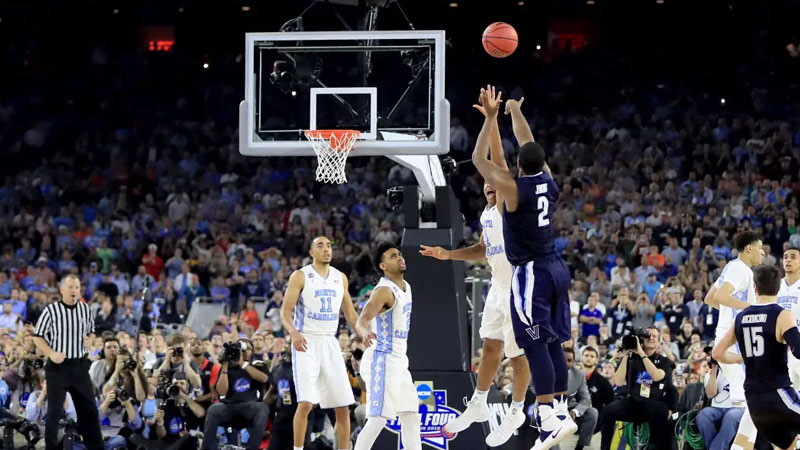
[(392, 325), (492, 224), (740, 275), (317, 309), (789, 298)]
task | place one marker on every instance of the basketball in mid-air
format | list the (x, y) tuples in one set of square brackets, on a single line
[(499, 39)]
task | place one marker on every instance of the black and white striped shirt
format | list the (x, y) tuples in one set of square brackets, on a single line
[(64, 327)]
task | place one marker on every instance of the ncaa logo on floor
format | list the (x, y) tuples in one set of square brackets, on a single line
[(433, 414)]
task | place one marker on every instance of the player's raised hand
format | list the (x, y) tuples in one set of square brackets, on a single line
[(434, 252), (299, 341), (511, 104), (491, 101)]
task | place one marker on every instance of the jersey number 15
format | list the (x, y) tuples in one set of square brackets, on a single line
[(753, 342)]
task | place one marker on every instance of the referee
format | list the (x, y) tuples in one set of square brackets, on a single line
[(59, 334)]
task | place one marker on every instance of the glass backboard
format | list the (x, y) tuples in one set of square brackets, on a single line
[(389, 85)]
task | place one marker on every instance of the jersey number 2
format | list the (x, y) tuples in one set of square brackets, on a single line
[(329, 301), (543, 204), (753, 342)]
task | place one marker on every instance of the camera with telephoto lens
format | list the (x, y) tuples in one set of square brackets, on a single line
[(167, 389), (231, 352), (629, 341), (70, 427), (177, 351)]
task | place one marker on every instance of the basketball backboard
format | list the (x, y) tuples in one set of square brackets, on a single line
[(389, 85)]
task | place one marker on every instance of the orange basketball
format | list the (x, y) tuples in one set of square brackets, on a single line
[(500, 39)]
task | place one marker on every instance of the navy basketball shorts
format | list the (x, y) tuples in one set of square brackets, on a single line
[(540, 301), (776, 414)]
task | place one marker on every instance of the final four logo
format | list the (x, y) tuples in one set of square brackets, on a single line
[(433, 412)]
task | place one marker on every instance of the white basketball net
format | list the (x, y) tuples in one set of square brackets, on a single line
[(332, 148)]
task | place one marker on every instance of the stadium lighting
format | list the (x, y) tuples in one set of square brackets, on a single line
[(722, 101), (660, 2), (205, 65), (294, 93), (116, 11), (590, 2), (454, 4), (520, 3), (245, 8), (538, 47)]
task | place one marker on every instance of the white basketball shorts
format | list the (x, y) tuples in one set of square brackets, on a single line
[(320, 376), (496, 320), (390, 388)]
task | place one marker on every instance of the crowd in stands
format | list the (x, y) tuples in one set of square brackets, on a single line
[(142, 193)]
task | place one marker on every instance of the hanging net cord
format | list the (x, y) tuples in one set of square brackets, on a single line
[(332, 148)]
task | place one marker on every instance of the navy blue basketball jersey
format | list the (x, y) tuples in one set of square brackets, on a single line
[(528, 231), (766, 367)]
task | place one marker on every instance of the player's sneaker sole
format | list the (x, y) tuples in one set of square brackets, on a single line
[(559, 434), (506, 429), (473, 413)]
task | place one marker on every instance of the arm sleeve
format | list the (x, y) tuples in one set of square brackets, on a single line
[(792, 337), (43, 324)]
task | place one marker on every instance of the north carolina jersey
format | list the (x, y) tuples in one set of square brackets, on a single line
[(789, 297), (317, 309), (528, 231), (492, 224), (391, 326), (740, 275)]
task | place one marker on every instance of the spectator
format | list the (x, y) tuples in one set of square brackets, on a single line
[(643, 312), (652, 286), (152, 262), (599, 388), (591, 318), (719, 421), (579, 402)]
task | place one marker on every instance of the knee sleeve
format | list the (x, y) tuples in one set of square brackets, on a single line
[(409, 430), (542, 370), (369, 433), (559, 366)]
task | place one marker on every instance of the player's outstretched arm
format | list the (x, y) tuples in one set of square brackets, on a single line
[(721, 353), (522, 131), (496, 142), (474, 252), (290, 298), (497, 177), (380, 299), (496, 154)]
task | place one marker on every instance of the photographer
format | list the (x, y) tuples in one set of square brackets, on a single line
[(283, 397), (127, 376), (209, 374), (116, 415), (168, 425), (720, 415), (239, 387), (646, 374), (176, 361), (101, 370)]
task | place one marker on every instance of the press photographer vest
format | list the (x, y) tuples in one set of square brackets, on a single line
[(241, 387)]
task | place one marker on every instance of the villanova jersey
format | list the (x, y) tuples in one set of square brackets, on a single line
[(740, 275), (766, 367), (317, 309), (492, 224), (789, 297), (528, 231), (391, 326)]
